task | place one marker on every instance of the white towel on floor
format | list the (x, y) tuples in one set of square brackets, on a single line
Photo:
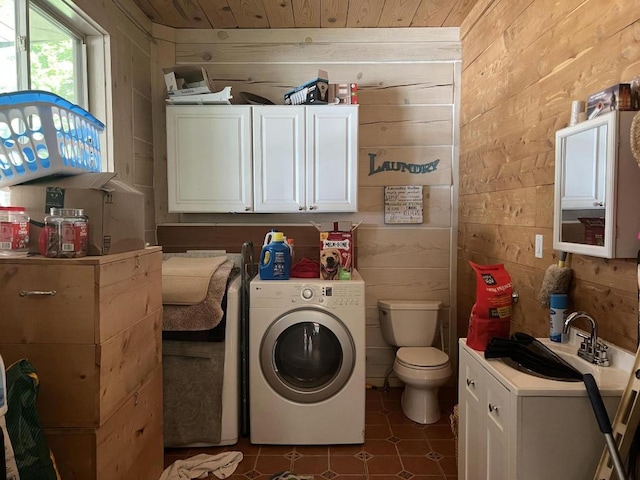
[(199, 466)]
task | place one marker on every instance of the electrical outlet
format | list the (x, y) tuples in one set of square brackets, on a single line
[(539, 241)]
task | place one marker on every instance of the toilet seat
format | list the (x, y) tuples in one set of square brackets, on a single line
[(423, 358)]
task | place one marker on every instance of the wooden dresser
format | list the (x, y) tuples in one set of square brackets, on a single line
[(92, 329)]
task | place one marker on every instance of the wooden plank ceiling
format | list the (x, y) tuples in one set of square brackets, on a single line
[(306, 13)]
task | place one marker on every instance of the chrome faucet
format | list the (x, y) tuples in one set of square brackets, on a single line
[(591, 348)]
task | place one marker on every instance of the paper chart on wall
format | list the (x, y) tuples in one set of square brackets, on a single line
[(403, 204)]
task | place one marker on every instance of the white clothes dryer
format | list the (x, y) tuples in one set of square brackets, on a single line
[(307, 361)]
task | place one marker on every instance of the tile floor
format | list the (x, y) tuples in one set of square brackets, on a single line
[(394, 448)]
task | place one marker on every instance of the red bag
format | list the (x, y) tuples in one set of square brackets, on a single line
[(491, 314)]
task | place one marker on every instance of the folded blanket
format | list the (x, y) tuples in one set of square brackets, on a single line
[(199, 466), (185, 281), (206, 314)]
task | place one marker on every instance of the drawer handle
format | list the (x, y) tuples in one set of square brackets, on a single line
[(37, 293), (493, 408), (471, 383)]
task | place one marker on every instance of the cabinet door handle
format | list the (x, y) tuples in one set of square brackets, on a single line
[(247, 209), (471, 383), (312, 207), (37, 293), (493, 408), (598, 204), (300, 208)]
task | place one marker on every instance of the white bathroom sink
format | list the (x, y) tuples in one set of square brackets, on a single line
[(611, 380)]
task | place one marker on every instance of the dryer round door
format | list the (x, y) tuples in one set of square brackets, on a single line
[(307, 355)]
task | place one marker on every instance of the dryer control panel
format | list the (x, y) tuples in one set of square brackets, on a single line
[(330, 295), (307, 292)]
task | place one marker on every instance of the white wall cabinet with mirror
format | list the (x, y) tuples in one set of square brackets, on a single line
[(597, 188)]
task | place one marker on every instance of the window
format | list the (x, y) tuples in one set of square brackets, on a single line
[(51, 45), (44, 52)]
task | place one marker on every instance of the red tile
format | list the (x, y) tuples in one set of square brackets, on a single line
[(413, 447), (350, 477), (376, 432), (444, 447), (346, 465), (344, 449), (311, 465), (387, 465), (420, 465), (449, 465), (270, 464), (276, 449), (379, 447), (438, 432), (375, 418), (245, 446), (399, 418), (313, 450), (247, 464), (407, 432)]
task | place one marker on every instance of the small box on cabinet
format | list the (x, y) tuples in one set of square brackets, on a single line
[(616, 97)]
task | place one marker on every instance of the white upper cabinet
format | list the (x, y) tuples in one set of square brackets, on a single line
[(209, 158), (290, 158), (305, 158), (596, 188), (332, 159), (279, 159)]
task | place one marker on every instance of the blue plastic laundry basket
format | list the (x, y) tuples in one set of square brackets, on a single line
[(43, 134)]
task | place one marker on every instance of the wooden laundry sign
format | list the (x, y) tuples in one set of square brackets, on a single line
[(403, 204)]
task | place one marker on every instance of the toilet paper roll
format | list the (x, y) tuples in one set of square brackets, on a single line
[(577, 107)]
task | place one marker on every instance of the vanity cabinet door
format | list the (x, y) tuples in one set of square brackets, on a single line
[(472, 439), (497, 412), (484, 449)]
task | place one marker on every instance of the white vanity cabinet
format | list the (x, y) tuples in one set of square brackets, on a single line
[(305, 158), (514, 426), (209, 158), (263, 159)]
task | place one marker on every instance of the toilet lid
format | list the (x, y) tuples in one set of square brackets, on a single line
[(422, 356)]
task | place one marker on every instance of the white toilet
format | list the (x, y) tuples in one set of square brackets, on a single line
[(412, 325)]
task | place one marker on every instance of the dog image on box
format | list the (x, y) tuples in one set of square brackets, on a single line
[(330, 263), (335, 255)]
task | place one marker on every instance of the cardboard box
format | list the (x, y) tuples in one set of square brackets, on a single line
[(314, 92), (115, 209), (187, 80), (616, 97), (343, 93), (336, 250)]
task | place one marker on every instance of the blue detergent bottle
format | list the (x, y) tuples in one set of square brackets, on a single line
[(275, 259)]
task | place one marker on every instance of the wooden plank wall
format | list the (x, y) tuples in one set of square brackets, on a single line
[(524, 62), (407, 89), (130, 47)]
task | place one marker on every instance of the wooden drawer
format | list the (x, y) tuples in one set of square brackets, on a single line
[(95, 297), (82, 385), (129, 446)]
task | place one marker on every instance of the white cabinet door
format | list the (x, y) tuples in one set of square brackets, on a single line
[(486, 412), (497, 411), (332, 158), (209, 158), (279, 159), (472, 441)]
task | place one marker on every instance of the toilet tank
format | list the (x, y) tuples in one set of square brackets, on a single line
[(409, 323)]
